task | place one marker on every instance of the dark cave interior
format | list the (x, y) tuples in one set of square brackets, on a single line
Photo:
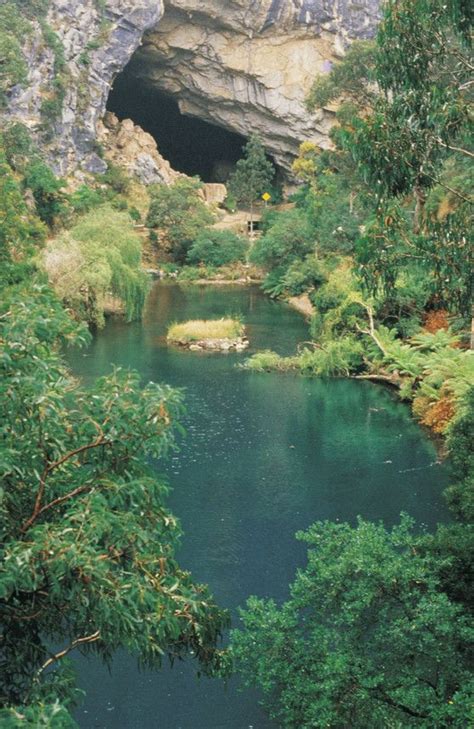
[(191, 146)]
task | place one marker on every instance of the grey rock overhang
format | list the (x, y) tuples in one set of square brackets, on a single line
[(248, 65), (356, 19)]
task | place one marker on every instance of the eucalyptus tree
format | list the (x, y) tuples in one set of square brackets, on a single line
[(409, 136), (87, 555), (366, 639)]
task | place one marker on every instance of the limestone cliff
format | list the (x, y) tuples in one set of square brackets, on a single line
[(96, 40), (244, 64), (247, 65)]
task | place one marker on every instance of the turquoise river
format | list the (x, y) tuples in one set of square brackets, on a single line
[(264, 455)]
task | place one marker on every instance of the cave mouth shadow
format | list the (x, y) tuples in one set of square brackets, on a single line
[(191, 145)]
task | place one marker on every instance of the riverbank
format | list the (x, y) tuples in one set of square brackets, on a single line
[(235, 273)]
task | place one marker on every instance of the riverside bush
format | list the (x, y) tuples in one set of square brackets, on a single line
[(214, 247), (289, 238), (178, 214), (341, 357)]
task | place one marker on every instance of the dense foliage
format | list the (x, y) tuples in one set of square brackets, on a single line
[(21, 233), (380, 234), (213, 247), (97, 260), (177, 215), (366, 639), (87, 541), (378, 628), (253, 175)]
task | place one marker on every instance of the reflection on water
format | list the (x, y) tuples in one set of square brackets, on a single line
[(264, 456)]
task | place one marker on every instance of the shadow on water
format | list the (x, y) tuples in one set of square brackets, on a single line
[(264, 456)]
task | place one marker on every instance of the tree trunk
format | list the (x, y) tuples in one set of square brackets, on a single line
[(420, 198), (472, 327)]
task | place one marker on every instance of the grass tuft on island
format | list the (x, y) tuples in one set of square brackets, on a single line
[(214, 334)]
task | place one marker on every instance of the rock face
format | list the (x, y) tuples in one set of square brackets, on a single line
[(246, 65), (98, 39), (217, 345), (129, 147)]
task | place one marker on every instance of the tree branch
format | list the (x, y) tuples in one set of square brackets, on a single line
[(75, 643), (401, 707), (455, 149), (66, 497), (371, 331), (100, 441)]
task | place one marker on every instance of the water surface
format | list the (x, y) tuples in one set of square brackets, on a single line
[(264, 456)]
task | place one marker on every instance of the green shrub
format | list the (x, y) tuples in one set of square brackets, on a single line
[(116, 178), (20, 231), (33, 9), (14, 28), (47, 191), (135, 214), (84, 199), (273, 283), (13, 68), (216, 248), (18, 146), (289, 238), (304, 276), (340, 357), (460, 442), (192, 273), (331, 358), (266, 361), (180, 214)]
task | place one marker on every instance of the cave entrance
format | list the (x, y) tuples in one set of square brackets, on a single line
[(191, 146)]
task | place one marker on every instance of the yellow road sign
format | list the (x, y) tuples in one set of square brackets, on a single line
[(266, 196)]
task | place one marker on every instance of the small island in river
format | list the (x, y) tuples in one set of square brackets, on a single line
[(220, 335)]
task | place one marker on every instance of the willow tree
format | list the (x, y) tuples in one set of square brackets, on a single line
[(98, 259), (87, 555)]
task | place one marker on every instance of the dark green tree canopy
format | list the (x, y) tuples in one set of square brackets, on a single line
[(253, 173), (179, 214), (366, 639)]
